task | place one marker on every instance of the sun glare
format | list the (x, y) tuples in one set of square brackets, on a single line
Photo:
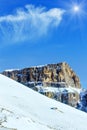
[(76, 8), (76, 12)]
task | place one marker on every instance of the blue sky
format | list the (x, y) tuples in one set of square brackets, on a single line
[(37, 32)]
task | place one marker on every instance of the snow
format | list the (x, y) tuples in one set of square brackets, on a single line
[(38, 66), (10, 70), (24, 109), (75, 89), (55, 89)]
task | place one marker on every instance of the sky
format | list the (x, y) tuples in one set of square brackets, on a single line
[(38, 32)]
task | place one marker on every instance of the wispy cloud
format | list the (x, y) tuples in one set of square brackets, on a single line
[(28, 22)]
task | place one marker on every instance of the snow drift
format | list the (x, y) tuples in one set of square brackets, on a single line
[(24, 109)]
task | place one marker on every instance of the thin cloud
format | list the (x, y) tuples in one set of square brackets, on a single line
[(28, 23)]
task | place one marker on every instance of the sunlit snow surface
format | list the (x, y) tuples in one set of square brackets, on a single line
[(24, 109)]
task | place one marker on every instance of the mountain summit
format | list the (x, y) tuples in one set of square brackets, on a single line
[(51, 73)]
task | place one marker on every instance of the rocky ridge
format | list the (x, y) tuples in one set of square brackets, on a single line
[(51, 73)]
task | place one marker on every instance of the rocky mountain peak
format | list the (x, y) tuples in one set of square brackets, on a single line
[(51, 73)]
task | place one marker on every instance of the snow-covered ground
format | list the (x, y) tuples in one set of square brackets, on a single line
[(24, 109)]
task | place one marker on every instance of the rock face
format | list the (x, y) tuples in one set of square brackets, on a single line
[(49, 75), (82, 105)]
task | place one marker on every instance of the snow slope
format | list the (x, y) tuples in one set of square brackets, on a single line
[(24, 109)]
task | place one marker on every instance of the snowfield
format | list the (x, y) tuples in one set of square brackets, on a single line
[(24, 109)]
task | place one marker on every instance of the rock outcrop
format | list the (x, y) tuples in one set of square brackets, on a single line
[(82, 105), (51, 74)]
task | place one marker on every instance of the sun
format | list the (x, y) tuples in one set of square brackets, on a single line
[(76, 13), (76, 8)]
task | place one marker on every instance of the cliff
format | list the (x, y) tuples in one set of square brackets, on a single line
[(48, 74)]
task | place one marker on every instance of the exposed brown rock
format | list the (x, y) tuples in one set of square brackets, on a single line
[(51, 73)]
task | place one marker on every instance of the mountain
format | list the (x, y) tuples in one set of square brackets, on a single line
[(21, 108), (48, 74), (57, 81)]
